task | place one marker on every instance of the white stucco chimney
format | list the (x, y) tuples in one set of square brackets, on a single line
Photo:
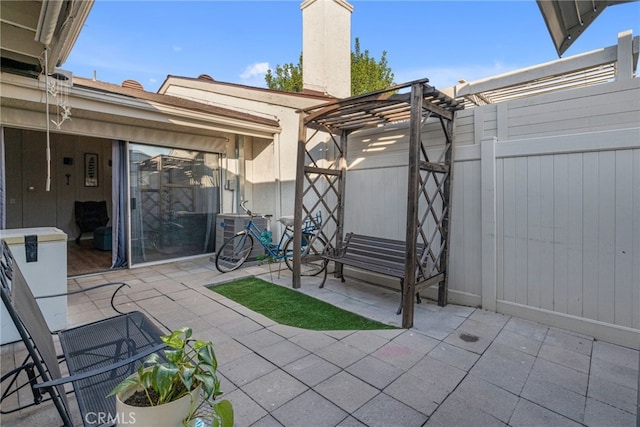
[(326, 46)]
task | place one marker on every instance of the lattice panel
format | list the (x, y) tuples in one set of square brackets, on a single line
[(175, 199), (151, 207), (433, 209)]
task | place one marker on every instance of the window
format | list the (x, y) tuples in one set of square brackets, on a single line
[(175, 197)]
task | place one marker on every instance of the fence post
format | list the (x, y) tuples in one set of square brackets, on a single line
[(638, 396), (624, 65), (488, 221)]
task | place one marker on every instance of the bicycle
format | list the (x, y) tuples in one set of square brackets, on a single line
[(235, 251)]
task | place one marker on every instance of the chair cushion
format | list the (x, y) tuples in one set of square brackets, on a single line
[(102, 238)]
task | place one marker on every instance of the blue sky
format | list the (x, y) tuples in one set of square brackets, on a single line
[(237, 41)]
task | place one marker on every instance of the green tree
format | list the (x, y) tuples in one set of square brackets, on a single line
[(367, 74), (288, 77)]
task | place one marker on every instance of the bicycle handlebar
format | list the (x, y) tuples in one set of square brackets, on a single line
[(251, 214), (309, 225), (245, 209)]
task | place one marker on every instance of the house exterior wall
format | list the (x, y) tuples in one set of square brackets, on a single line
[(28, 204), (269, 164), (545, 206), (101, 113)]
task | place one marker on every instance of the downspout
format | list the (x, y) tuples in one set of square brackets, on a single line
[(278, 180)]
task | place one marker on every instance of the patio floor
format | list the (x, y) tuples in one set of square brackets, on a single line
[(458, 366)]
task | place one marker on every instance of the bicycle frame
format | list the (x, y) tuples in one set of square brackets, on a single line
[(235, 251), (274, 250)]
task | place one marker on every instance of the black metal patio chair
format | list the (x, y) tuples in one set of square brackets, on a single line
[(97, 355)]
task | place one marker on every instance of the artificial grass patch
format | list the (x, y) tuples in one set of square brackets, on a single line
[(289, 307)]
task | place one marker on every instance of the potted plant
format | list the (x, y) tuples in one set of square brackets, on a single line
[(173, 390)]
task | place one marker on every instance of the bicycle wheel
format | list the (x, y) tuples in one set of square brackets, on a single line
[(234, 252), (314, 264)]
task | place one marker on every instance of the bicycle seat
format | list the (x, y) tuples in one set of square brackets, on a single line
[(287, 221)]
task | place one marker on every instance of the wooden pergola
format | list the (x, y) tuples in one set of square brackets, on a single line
[(321, 176)]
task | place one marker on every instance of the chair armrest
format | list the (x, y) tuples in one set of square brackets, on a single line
[(99, 371), (122, 285)]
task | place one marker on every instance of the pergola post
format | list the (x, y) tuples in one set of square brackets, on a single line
[(342, 184), (297, 218), (412, 206)]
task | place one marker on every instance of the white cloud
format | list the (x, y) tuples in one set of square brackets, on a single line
[(254, 74), (177, 48)]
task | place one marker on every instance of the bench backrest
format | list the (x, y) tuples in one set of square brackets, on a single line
[(387, 252), (32, 326)]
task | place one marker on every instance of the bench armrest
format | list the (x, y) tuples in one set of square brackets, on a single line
[(101, 370), (121, 285)]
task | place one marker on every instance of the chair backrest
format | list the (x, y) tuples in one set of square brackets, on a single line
[(91, 215), (32, 326)]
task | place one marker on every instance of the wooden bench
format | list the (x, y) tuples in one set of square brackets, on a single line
[(98, 356), (375, 254)]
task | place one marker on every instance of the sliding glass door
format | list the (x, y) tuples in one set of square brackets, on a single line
[(175, 197)]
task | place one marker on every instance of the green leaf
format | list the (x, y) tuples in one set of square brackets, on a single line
[(163, 377), (152, 359), (206, 356), (128, 382), (207, 382), (224, 410), (174, 356), (174, 340)]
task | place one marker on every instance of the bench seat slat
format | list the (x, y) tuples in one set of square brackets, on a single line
[(373, 256), (394, 270)]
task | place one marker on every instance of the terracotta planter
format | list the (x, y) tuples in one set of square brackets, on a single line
[(170, 414)]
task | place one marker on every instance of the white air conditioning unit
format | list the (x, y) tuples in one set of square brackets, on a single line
[(228, 224)]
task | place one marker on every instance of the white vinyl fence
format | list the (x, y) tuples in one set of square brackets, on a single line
[(549, 229), (545, 208)]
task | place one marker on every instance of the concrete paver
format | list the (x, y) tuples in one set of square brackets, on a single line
[(311, 369), (346, 390), (505, 367), (528, 414), (483, 395), (555, 398), (600, 414), (309, 409), (374, 371), (457, 412), (457, 366), (274, 389), (384, 411)]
